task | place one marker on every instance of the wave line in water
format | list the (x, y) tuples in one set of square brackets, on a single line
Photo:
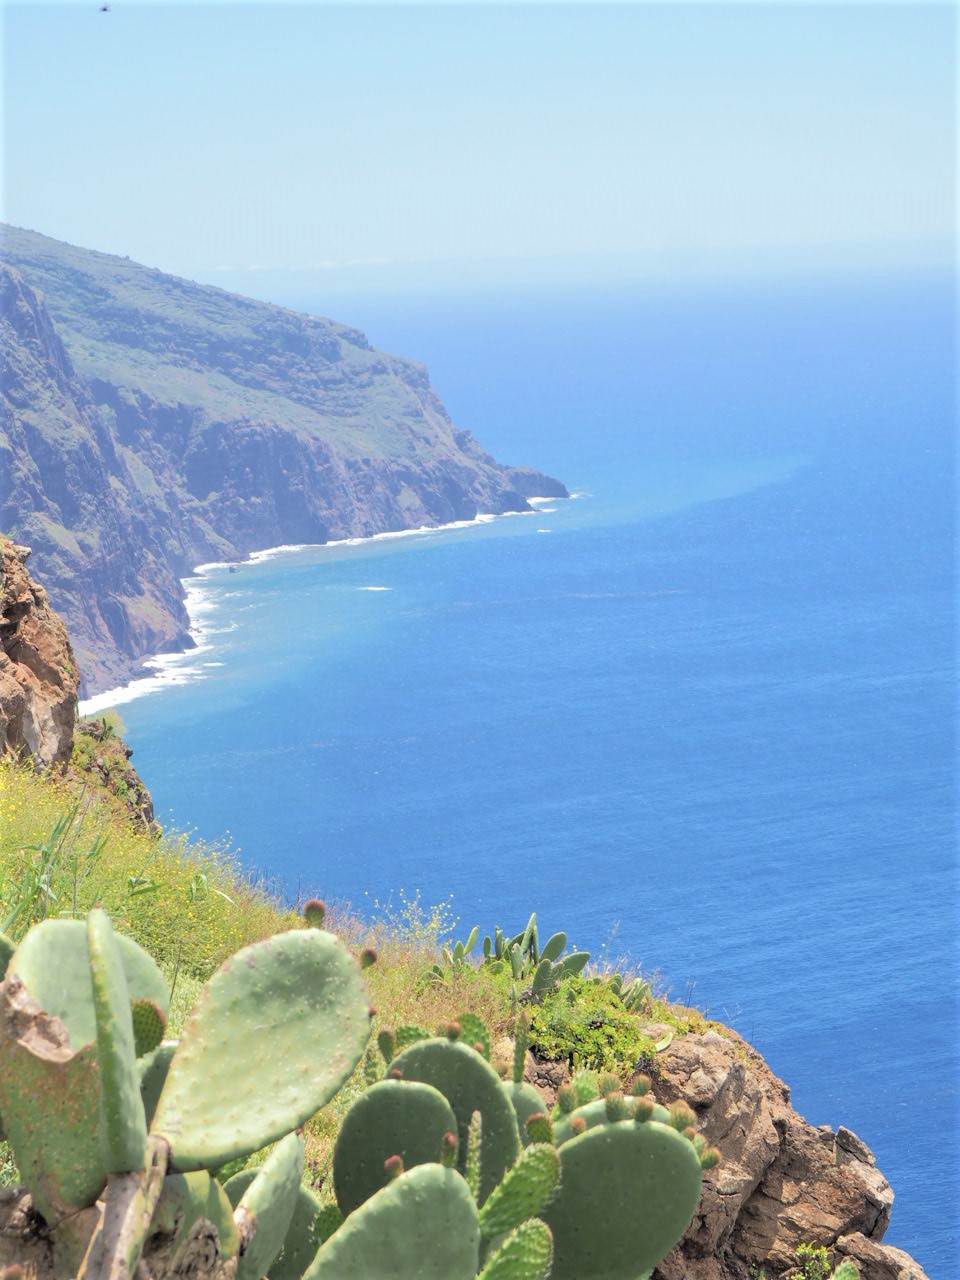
[(166, 668)]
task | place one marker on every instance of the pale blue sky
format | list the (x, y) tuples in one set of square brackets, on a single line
[(216, 140)]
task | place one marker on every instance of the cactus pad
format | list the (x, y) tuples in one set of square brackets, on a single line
[(627, 1193), (123, 1127), (469, 1084), (423, 1226), (149, 1024), (393, 1117), (186, 1199), (594, 1114), (525, 1189), (526, 1254), (269, 1201), (273, 1035), (300, 1243), (526, 1102), (53, 962)]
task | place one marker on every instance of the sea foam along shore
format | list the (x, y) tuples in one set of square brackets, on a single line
[(168, 669)]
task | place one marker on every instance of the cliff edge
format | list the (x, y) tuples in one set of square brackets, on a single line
[(149, 424), (38, 671), (781, 1181)]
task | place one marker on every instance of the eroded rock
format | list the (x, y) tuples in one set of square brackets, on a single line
[(38, 670)]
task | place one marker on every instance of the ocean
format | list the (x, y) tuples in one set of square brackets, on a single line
[(701, 715)]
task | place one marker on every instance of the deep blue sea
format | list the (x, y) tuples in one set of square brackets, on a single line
[(702, 715)]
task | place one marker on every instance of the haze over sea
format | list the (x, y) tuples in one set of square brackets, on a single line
[(701, 716)]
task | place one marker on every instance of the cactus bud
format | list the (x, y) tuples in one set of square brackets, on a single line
[(478, 1046), (396, 1073), (699, 1143), (448, 1149), (313, 913), (368, 956), (567, 1098), (540, 1127), (578, 1125), (642, 1109), (387, 1044), (690, 1133), (616, 1107), (710, 1158), (149, 1025), (609, 1083), (452, 1030), (393, 1166), (681, 1117), (641, 1086)]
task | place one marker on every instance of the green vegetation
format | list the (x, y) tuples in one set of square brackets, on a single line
[(430, 1178), (66, 847), (61, 853)]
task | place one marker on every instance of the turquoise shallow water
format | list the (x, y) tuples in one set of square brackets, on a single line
[(702, 715)]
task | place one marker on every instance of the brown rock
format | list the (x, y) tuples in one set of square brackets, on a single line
[(879, 1261), (781, 1181), (38, 671)]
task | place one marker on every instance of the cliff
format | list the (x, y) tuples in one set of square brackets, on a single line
[(38, 671), (781, 1182), (148, 424), (39, 681)]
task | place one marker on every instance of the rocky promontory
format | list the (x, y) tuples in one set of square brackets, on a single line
[(781, 1182), (149, 424)]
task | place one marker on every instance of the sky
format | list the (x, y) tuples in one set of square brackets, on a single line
[(439, 142)]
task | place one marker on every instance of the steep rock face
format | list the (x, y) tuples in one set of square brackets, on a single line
[(781, 1182), (150, 423), (38, 670), (67, 491)]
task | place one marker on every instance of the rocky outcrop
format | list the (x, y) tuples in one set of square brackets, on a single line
[(102, 759), (39, 679), (781, 1182), (149, 424), (38, 671)]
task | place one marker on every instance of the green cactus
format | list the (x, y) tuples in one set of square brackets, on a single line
[(526, 1254), (526, 1102), (53, 963), (301, 1241), (153, 1068), (525, 1189), (293, 1011), (473, 1032), (627, 1193), (469, 1084), (594, 1114), (394, 1117), (149, 1024), (265, 1207), (188, 1198), (422, 1226), (123, 1126), (539, 1128)]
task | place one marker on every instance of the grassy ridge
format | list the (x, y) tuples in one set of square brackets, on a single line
[(63, 850)]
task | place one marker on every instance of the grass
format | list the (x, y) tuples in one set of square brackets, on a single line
[(62, 852), (64, 849)]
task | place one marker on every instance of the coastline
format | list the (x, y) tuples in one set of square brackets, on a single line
[(165, 670)]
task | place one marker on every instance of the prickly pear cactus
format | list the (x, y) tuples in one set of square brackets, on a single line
[(394, 1117), (421, 1226), (469, 1084), (293, 1011), (627, 1193)]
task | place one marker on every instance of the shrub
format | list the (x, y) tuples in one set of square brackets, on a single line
[(585, 1024)]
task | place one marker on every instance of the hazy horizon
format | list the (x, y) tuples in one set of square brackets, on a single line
[(410, 146)]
